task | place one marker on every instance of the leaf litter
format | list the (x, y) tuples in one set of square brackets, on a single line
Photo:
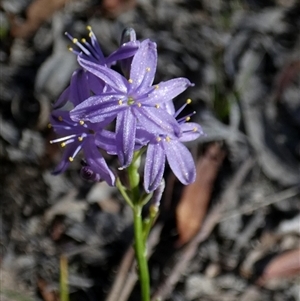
[(235, 237)]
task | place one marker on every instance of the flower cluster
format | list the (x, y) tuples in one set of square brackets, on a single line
[(143, 113)]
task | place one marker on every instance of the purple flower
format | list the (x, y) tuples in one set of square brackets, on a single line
[(144, 113), (167, 146), (88, 137), (86, 82), (92, 51), (133, 102)]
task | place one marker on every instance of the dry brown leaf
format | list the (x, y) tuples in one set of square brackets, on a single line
[(48, 295), (284, 265), (195, 197), (286, 77), (113, 8), (37, 13)]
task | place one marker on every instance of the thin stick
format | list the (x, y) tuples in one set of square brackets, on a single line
[(121, 277), (128, 279), (269, 200)]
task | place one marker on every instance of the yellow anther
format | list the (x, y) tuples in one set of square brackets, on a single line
[(156, 87), (49, 125), (89, 28), (80, 139), (120, 102), (90, 34), (83, 40), (51, 142), (130, 81), (157, 106), (188, 101), (168, 139), (81, 122), (70, 48), (60, 118), (195, 129), (75, 40), (148, 69), (71, 159), (63, 144), (188, 118), (158, 139), (139, 104)]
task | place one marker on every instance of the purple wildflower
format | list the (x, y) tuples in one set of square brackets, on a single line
[(92, 51), (167, 145), (83, 81), (88, 137), (144, 113), (133, 102)]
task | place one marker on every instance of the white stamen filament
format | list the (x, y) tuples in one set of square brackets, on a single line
[(62, 139)]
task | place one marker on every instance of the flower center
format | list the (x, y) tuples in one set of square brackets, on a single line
[(130, 101)]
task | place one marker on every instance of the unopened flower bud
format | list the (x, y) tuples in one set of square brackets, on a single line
[(156, 198), (128, 35), (87, 173)]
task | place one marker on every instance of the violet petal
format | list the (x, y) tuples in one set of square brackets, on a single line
[(106, 140), (154, 166), (79, 90), (190, 131), (180, 161), (125, 136), (143, 66), (125, 51), (98, 164), (109, 76), (165, 91), (156, 120), (97, 108)]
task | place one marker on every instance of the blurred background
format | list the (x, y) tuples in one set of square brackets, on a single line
[(233, 235)]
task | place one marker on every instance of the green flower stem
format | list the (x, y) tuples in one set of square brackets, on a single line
[(145, 198), (141, 253), (122, 189), (64, 289), (138, 202), (134, 177)]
